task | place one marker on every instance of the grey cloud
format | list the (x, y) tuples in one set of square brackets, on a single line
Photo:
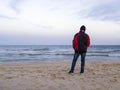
[(104, 11), (42, 27), (6, 17), (14, 5)]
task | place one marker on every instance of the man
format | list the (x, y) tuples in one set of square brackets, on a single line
[(81, 42)]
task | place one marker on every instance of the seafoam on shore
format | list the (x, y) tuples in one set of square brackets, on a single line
[(38, 53)]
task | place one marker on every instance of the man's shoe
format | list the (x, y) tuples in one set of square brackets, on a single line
[(81, 73), (70, 72)]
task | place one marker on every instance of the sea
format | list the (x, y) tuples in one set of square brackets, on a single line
[(53, 53)]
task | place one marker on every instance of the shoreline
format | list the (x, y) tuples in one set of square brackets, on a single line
[(59, 61), (99, 75)]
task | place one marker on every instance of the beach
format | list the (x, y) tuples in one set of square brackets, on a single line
[(99, 75)]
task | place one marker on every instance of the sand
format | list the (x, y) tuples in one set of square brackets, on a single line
[(54, 76)]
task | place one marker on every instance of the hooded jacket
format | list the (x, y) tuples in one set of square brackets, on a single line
[(81, 42)]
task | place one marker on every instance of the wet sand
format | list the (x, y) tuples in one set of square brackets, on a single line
[(54, 76)]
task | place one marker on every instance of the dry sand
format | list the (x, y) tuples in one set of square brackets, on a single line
[(54, 76)]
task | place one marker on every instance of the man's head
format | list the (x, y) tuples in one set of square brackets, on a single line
[(82, 28)]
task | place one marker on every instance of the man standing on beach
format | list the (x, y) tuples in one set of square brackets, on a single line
[(81, 42)]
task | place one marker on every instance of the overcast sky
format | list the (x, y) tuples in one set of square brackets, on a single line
[(40, 22)]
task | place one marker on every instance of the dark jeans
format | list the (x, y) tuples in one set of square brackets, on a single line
[(76, 55)]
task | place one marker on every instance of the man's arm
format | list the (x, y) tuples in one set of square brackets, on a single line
[(88, 41)]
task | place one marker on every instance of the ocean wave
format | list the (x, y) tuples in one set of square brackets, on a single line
[(105, 55), (98, 52), (27, 54), (67, 54), (115, 55), (98, 55), (27, 49), (42, 49), (116, 51), (104, 51)]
